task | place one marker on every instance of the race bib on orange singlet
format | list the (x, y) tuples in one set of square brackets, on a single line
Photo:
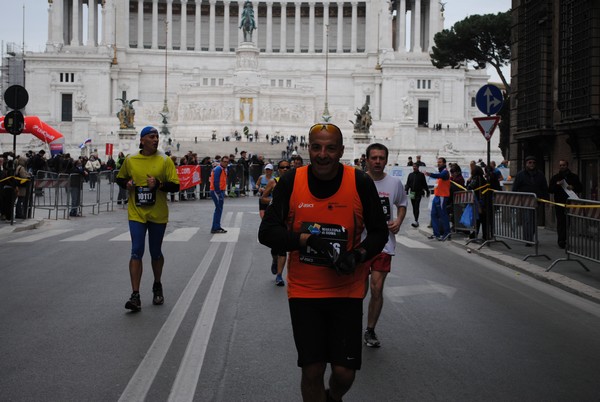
[(144, 197), (337, 235)]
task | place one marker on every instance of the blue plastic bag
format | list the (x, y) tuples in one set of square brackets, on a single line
[(468, 218)]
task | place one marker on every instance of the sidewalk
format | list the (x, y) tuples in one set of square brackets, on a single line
[(568, 275), (20, 225)]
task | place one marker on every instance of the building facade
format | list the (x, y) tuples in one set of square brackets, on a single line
[(189, 57), (555, 108)]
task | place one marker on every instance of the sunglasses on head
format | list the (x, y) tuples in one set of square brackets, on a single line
[(330, 128)]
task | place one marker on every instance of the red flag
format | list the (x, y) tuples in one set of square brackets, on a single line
[(189, 176)]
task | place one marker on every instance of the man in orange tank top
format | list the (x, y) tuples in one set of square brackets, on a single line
[(318, 213), (440, 221)]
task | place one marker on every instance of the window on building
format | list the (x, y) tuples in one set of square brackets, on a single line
[(288, 83), (473, 102), (280, 83), (273, 83), (67, 107), (67, 77), (423, 113), (221, 81), (213, 82), (204, 81)]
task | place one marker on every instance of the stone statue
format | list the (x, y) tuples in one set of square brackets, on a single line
[(127, 113), (407, 107), (247, 22), (363, 119), (80, 104)]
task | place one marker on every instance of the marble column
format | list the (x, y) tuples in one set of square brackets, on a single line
[(75, 24), (256, 22), (417, 27), (226, 46), (140, 27), (434, 22), (325, 27), (269, 45), (154, 24), (340, 28), (311, 27), (354, 27), (401, 26), (197, 26), (212, 23), (170, 24), (183, 33), (92, 26), (283, 31), (297, 27)]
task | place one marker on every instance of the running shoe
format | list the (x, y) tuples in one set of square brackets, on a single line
[(432, 237), (218, 231), (371, 339), (415, 224), (157, 290), (279, 280), (134, 303)]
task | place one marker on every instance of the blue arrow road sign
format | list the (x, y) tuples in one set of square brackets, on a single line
[(489, 99)]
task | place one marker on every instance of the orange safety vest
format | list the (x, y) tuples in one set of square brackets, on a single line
[(338, 219), (222, 179), (443, 188)]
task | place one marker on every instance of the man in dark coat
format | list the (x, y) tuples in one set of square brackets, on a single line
[(531, 180), (564, 179), (416, 187)]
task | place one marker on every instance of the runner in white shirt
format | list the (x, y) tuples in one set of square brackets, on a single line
[(391, 193)]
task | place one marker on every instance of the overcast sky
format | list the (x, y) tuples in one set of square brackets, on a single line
[(36, 19)]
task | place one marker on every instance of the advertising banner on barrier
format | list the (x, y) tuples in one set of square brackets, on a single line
[(189, 176)]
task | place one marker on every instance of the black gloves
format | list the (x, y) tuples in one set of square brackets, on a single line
[(345, 263), (323, 246)]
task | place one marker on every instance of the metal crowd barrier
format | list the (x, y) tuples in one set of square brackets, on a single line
[(583, 231), (515, 218), (48, 192), (460, 201)]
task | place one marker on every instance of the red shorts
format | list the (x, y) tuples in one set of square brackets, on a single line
[(382, 262)]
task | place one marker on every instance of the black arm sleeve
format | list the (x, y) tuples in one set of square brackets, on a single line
[(169, 187), (273, 231), (122, 182)]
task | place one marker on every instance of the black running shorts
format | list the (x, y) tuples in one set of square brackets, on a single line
[(328, 330)]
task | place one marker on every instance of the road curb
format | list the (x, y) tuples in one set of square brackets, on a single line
[(27, 224)]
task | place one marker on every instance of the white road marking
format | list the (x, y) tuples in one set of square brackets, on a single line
[(90, 234), (40, 236), (184, 386), (122, 237), (141, 381), (398, 292), (182, 234)]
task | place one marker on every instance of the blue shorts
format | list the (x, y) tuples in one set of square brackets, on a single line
[(156, 232)]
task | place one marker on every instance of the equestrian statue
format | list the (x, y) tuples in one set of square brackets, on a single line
[(247, 22)]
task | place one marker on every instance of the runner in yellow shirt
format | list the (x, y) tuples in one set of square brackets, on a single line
[(148, 176)]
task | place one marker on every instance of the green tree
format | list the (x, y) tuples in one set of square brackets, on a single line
[(478, 40)]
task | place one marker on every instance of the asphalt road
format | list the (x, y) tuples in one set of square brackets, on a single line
[(455, 326)]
